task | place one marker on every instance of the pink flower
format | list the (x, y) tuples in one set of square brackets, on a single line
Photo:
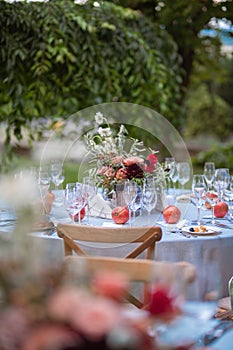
[(150, 163), (14, 327), (106, 171), (64, 302), (96, 317), (111, 285), (152, 158), (51, 336), (117, 160), (121, 174), (133, 160)]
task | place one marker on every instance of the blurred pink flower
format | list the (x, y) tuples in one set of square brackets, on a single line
[(111, 285), (64, 302), (14, 327), (51, 336), (96, 317)]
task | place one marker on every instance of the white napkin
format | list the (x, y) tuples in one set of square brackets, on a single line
[(100, 208)]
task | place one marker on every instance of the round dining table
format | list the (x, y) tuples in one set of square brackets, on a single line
[(212, 254)]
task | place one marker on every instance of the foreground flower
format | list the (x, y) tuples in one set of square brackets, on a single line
[(111, 286), (51, 336), (163, 303)]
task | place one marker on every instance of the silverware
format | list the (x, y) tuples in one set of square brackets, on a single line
[(220, 224), (216, 332)]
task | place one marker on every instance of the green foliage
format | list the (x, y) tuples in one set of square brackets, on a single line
[(58, 57), (207, 114), (221, 156)]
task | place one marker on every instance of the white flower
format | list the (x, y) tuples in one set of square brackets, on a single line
[(99, 118), (104, 132)]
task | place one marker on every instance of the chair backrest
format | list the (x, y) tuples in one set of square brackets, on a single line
[(146, 237), (136, 270)]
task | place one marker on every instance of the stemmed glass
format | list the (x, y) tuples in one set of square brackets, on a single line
[(209, 173), (174, 175), (74, 200), (198, 189), (183, 169), (56, 172), (132, 196), (89, 191), (43, 179), (149, 196), (212, 198), (169, 165), (229, 196), (221, 180)]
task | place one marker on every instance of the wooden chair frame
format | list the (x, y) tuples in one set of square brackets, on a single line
[(145, 236), (137, 270)]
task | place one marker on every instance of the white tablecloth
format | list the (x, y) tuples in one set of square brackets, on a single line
[(208, 253)]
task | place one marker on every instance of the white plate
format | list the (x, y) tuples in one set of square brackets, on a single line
[(210, 230)]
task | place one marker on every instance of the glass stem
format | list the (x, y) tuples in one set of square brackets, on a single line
[(198, 215), (212, 220)]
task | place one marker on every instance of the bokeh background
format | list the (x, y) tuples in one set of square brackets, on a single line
[(59, 57)]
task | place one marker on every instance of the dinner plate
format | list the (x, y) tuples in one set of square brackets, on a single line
[(210, 230)]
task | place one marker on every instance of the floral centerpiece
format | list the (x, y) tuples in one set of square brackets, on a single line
[(117, 157)]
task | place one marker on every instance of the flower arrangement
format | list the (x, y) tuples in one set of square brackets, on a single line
[(113, 163), (44, 311)]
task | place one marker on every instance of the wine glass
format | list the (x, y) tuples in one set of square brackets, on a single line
[(43, 179), (221, 180), (169, 165), (229, 197), (130, 194), (212, 198), (89, 191), (74, 200), (56, 171), (209, 172), (198, 189), (183, 169), (149, 197)]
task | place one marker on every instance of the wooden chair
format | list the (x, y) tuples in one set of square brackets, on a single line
[(146, 237), (136, 270)]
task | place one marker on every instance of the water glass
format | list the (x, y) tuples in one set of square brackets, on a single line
[(198, 190), (149, 197), (184, 172), (56, 172), (169, 166), (209, 173), (221, 181)]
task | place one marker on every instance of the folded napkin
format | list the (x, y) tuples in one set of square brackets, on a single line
[(100, 208), (184, 198)]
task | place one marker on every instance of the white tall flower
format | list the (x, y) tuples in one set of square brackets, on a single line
[(104, 132), (99, 118)]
